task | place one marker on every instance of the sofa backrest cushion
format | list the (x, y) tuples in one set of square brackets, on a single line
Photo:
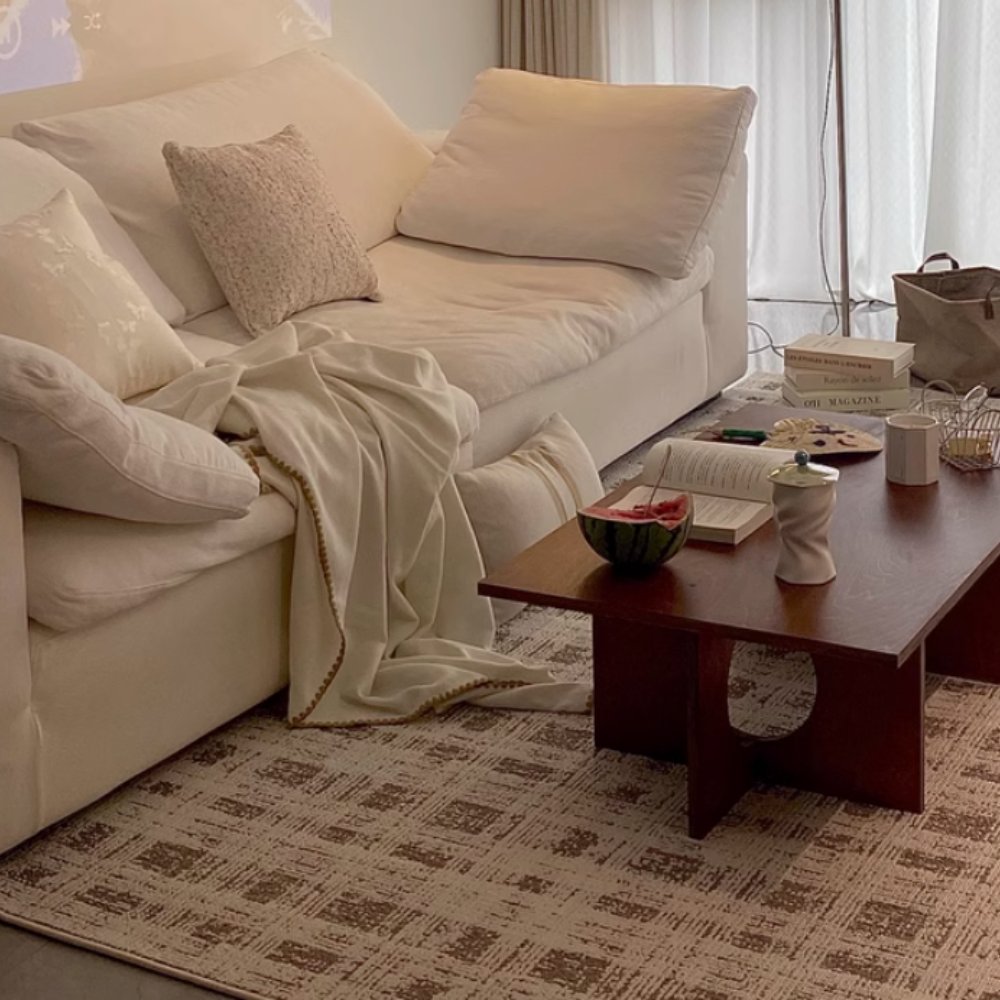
[(79, 447), (60, 290), (370, 159), (544, 167), (30, 178)]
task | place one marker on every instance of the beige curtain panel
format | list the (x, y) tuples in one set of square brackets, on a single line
[(557, 37)]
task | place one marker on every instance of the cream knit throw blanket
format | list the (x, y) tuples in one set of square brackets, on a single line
[(385, 622)]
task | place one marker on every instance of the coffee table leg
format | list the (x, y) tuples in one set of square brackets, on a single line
[(664, 693), (640, 688), (864, 739), (720, 762), (966, 642)]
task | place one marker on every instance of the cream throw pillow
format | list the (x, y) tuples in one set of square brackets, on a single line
[(370, 158), (545, 167), (60, 290), (79, 447), (518, 500), (269, 227)]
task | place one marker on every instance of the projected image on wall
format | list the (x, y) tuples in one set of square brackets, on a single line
[(47, 42)]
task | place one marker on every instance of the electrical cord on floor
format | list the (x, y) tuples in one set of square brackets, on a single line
[(770, 345)]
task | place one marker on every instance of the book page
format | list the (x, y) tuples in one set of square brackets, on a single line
[(725, 470), (713, 512)]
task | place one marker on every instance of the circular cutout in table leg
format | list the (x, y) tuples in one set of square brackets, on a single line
[(771, 690)]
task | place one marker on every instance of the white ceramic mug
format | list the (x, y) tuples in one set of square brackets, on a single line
[(911, 449)]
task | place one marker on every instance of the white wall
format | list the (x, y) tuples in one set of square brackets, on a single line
[(420, 55)]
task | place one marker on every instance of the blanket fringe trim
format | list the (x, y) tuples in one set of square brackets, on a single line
[(300, 721), (305, 487), (432, 705)]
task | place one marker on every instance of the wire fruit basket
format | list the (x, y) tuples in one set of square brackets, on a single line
[(970, 426)]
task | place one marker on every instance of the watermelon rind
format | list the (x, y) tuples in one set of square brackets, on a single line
[(633, 545)]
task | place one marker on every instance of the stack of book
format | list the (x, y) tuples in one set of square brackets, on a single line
[(847, 374)]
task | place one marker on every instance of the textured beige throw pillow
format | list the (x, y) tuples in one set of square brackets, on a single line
[(269, 227), (58, 289)]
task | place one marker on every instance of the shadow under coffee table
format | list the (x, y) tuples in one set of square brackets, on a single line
[(917, 588)]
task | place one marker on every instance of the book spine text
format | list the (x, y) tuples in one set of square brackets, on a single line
[(845, 402), (837, 362), (805, 380)]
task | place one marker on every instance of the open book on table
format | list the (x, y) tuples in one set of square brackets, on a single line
[(728, 484)]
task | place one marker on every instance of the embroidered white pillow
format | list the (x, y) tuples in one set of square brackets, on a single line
[(518, 500), (60, 290), (32, 178), (267, 223), (79, 447), (544, 167)]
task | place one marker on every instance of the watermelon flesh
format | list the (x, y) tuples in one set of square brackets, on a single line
[(640, 538), (669, 513)]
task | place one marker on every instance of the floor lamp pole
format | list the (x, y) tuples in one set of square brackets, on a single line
[(838, 64)]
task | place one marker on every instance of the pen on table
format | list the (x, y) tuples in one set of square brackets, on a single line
[(733, 432)]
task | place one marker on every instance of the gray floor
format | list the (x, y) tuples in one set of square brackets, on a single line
[(36, 968)]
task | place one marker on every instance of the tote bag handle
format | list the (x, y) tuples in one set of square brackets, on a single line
[(939, 256)]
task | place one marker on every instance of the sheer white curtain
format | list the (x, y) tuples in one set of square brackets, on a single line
[(923, 89)]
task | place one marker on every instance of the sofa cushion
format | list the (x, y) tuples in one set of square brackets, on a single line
[(369, 157), (82, 568), (60, 290), (266, 222), (539, 166), (518, 500), (498, 326), (81, 448), (32, 178)]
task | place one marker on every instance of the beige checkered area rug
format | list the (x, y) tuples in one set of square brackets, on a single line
[(488, 854)]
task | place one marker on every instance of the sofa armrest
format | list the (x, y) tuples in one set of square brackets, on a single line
[(20, 796), (725, 296)]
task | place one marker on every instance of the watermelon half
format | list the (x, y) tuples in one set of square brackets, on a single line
[(641, 538)]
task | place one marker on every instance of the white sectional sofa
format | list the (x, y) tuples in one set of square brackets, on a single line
[(90, 695)]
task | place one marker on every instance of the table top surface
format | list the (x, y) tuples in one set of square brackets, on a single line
[(905, 555)]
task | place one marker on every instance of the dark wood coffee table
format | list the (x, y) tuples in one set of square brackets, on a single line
[(917, 588)]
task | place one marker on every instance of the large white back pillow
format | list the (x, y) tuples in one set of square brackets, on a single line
[(370, 158), (81, 448), (545, 167), (30, 179)]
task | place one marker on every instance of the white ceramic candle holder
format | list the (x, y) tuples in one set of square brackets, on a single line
[(804, 498)]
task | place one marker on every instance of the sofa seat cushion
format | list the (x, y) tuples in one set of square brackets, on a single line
[(82, 568), (497, 325)]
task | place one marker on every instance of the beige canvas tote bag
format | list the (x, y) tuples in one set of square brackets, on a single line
[(952, 317)]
